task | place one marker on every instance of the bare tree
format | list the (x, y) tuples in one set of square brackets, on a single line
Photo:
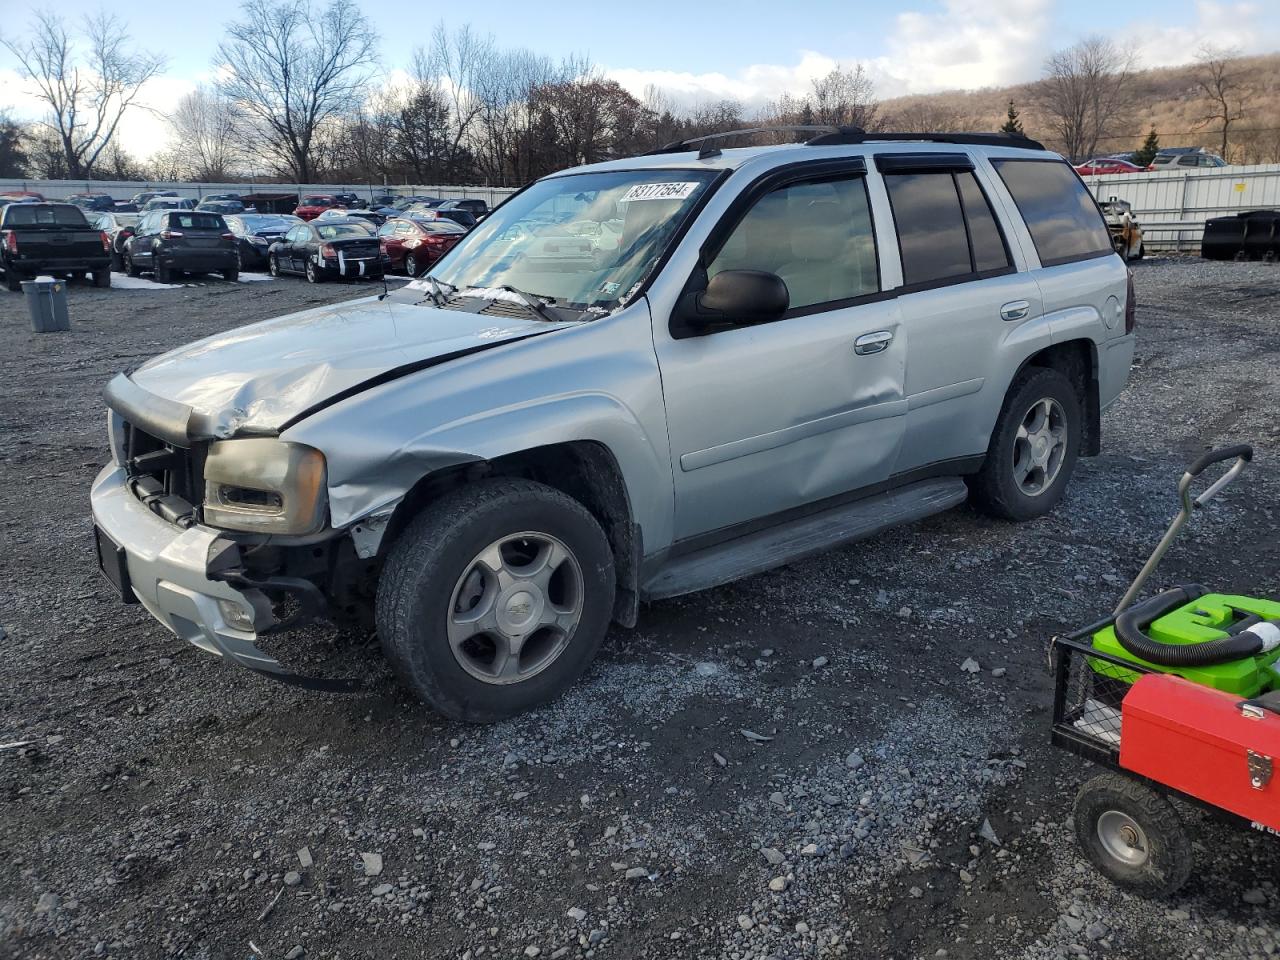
[(1086, 94), (204, 127), (927, 115), (88, 88), (291, 70), (845, 98), (1219, 80)]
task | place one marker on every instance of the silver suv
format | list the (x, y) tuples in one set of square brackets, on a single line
[(633, 380)]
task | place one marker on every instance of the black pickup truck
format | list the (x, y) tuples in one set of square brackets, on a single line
[(51, 238)]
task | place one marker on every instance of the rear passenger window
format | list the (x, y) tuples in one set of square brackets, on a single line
[(946, 230), (816, 236), (1060, 213), (989, 250)]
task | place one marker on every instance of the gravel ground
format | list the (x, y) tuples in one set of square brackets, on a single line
[(887, 803)]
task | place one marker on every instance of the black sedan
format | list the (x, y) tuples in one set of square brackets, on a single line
[(255, 233), (327, 250)]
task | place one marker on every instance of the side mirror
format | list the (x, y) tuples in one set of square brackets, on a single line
[(736, 297)]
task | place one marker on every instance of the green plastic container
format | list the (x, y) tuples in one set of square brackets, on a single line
[(1208, 618)]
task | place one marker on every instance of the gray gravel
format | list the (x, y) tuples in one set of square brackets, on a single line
[(799, 765)]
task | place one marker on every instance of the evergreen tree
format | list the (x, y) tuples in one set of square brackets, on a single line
[(1150, 147), (1013, 125)]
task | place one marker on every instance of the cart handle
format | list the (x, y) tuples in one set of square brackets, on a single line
[(1242, 453)]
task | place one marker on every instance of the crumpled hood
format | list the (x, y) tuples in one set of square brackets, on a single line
[(263, 375)]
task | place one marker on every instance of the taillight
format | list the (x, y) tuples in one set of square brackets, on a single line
[(170, 234), (1130, 307), (326, 250), (228, 236), (11, 241)]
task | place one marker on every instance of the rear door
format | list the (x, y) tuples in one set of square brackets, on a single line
[(962, 300), (770, 417), (197, 238)]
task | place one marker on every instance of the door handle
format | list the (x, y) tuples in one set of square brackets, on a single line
[(872, 342), (1015, 310)]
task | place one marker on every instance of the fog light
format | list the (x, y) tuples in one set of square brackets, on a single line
[(236, 616)]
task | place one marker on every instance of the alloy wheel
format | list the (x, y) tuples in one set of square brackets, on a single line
[(1040, 446), (515, 607)]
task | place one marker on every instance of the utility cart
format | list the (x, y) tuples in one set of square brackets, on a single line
[(1175, 697)]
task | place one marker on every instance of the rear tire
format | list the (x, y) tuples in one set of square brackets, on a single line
[(231, 276), (102, 278), (163, 274), (436, 576), (117, 261), (1033, 448), (313, 273), (411, 265), (1132, 834), (13, 281), (130, 267)]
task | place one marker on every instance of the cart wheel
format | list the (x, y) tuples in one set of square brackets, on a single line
[(1132, 834)]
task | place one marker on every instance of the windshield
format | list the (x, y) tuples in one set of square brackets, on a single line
[(583, 240)]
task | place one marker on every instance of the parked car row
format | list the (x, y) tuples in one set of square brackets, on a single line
[(1172, 158), (167, 240)]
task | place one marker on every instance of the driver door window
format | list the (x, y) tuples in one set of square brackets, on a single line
[(816, 236)]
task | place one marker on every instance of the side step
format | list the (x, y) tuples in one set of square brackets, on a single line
[(765, 549)]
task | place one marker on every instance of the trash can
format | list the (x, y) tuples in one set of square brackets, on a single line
[(47, 304)]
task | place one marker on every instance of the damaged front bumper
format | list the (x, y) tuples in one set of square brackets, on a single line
[(191, 581)]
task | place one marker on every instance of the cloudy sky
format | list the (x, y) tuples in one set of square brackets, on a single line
[(752, 50)]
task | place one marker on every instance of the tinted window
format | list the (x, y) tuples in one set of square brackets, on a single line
[(989, 251), (197, 221), (816, 236), (1063, 218), (30, 215), (1188, 161), (930, 222)]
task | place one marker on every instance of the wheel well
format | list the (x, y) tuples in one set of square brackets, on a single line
[(1077, 360), (583, 469)]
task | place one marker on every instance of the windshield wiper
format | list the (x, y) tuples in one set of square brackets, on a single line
[(436, 287), (530, 301)]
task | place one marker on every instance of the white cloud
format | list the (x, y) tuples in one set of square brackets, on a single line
[(1246, 27)]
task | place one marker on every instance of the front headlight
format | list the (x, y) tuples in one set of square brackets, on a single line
[(264, 485)]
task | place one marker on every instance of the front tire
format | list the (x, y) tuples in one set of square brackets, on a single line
[(273, 265), (1033, 448), (495, 599), (1132, 834)]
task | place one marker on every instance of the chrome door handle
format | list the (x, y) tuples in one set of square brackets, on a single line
[(1015, 310), (872, 342)]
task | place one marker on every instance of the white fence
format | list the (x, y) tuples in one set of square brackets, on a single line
[(1172, 207), (124, 189)]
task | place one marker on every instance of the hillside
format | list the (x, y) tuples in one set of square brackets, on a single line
[(1165, 98)]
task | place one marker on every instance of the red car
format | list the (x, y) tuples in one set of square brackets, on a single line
[(413, 245), (312, 206), (1104, 165)]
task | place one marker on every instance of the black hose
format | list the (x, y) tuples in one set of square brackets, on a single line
[(1132, 624)]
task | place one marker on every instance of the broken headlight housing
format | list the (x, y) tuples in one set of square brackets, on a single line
[(264, 485)]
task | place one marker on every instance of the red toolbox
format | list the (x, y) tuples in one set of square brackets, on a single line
[(1203, 743)]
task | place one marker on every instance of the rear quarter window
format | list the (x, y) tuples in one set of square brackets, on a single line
[(1060, 213)]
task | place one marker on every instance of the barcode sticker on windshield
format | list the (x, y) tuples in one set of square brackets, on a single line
[(659, 191)]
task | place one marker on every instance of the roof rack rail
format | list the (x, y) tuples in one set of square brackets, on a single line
[(1001, 139), (830, 135), (681, 146)]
